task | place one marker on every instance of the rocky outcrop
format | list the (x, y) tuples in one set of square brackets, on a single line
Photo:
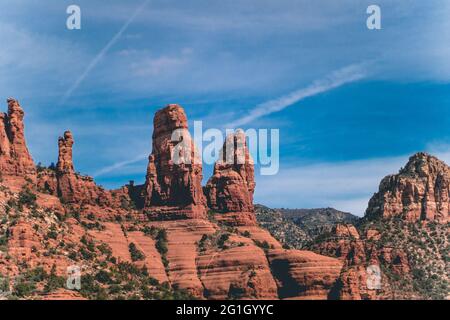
[(71, 186), (74, 221), (63, 294), (303, 274), (173, 186), (239, 272), (420, 191), (230, 190), (182, 245), (360, 255), (346, 231), (15, 159), (23, 241)]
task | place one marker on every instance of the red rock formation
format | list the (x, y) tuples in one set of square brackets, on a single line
[(303, 274), (73, 187), (252, 264), (421, 191), (230, 190), (63, 294), (182, 243), (47, 181), (357, 254), (22, 241), (15, 158), (240, 272), (173, 187), (346, 231)]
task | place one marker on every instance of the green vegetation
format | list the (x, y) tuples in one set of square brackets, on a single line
[(136, 254), (125, 281), (264, 245), (27, 198), (161, 246), (222, 240)]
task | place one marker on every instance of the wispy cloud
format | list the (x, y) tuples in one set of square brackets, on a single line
[(102, 52), (119, 165), (336, 79)]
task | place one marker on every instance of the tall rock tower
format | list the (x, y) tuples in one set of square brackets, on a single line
[(230, 190), (15, 159), (73, 187), (173, 186)]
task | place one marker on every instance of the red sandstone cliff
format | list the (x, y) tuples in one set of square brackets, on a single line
[(420, 191)]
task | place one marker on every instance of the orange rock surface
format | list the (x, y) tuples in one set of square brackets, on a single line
[(173, 187), (420, 191)]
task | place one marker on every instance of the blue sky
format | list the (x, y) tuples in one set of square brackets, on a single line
[(258, 63)]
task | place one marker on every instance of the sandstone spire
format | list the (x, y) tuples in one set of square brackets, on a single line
[(230, 189), (73, 187), (420, 191), (15, 158), (65, 162), (173, 187)]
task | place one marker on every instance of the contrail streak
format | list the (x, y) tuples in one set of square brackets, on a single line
[(336, 79), (102, 52), (119, 165)]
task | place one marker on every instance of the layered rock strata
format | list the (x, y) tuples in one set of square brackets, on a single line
[(15, 159), (173, 185), (420, 191), (230, 190)]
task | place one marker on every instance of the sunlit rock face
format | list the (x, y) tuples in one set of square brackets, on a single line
[(230, 190), (15, 159), (173, 186), (420, 191)]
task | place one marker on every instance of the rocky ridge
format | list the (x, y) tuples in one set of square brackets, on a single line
[(420, 191), (405, 233), (167, 239), (151, 241)]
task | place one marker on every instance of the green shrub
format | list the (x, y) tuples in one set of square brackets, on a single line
[(27, 198), (136, 254)]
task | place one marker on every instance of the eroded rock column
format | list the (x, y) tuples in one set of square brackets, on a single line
[(173, 188), (230, 190)]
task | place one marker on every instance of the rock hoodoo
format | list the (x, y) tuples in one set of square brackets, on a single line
[(230, 190), (65, 161), (15, 159), (73, 187), (420, 191), (173, 186)]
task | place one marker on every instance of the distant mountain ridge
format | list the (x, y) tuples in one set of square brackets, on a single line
[(296, 228), (316, 221)]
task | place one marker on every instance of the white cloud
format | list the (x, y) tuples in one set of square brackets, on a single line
[(336, 79), (148, 66), (119, 165), (34, 64)]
